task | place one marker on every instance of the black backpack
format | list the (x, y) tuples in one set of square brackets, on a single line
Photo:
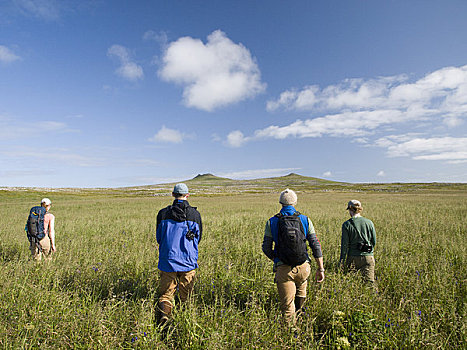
[(35, 224), (291, 240)]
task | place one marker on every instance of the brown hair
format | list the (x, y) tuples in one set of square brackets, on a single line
[(356, 209)]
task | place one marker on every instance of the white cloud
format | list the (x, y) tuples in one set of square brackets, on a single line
[(216, 138), (42, 9), (344, 124), (449, 149), (214, 74), (352, 94), (441, 91), (167, 135), (11, 129), (381, 173), (236, 139), (327, 174), (55, 156), (258, 173), (128, 69), (359, 108), (7, 56), (160, 37)]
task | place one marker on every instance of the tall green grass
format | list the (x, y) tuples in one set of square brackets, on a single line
[(99, 290)]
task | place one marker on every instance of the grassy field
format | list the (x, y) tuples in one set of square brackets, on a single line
[(99, 290)]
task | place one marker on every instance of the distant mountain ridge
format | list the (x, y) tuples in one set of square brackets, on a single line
[(288, 177), (208, 184), (208, 177)]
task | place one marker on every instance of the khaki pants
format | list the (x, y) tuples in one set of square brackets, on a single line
[(364, 264), (291, 283), (36, 254), (169, 282)]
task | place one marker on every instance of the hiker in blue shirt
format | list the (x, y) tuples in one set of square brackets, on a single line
[(178, 232), (288, 231)]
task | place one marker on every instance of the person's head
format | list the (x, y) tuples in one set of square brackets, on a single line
[(46, 203), (288, 197), (180, 191), (354, 207)]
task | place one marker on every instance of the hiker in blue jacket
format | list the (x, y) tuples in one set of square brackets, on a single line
[(178, 233), (288, 231)]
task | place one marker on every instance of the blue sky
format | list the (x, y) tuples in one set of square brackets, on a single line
[(119, 93)]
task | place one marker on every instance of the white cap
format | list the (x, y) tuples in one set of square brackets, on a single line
[(46, 201), (288, 197), (354, 204)]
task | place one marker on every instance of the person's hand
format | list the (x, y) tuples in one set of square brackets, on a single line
[(319, 276), (52, 248)]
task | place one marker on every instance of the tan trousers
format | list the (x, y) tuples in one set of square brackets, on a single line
[(291, 283), (364, 264), (36, 254), (169, 282)]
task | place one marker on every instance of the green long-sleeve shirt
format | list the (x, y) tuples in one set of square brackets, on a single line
[(351, 237)]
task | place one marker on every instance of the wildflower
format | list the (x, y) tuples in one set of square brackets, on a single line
[(338, 314), (95, 268), (343, 342), (135, 338), (145, 334)]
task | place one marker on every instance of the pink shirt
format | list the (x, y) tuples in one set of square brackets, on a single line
[(48, 218)]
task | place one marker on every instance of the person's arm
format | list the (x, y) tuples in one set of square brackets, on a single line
[(52, 233), (344, 245), (268, 242), (320, 271), (373, 235), (200, 228), (316, 251), (158, 222)]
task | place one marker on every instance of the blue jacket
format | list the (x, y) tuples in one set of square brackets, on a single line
[(271, 232), (178, 232)]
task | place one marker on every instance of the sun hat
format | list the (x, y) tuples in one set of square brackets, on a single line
[(180, 188), (288, 197), (46, 201), (354, 204)]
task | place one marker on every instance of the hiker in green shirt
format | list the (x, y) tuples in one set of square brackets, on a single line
[(358, 242)]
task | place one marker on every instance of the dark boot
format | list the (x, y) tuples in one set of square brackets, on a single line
[(299, 302), (164, 310)]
